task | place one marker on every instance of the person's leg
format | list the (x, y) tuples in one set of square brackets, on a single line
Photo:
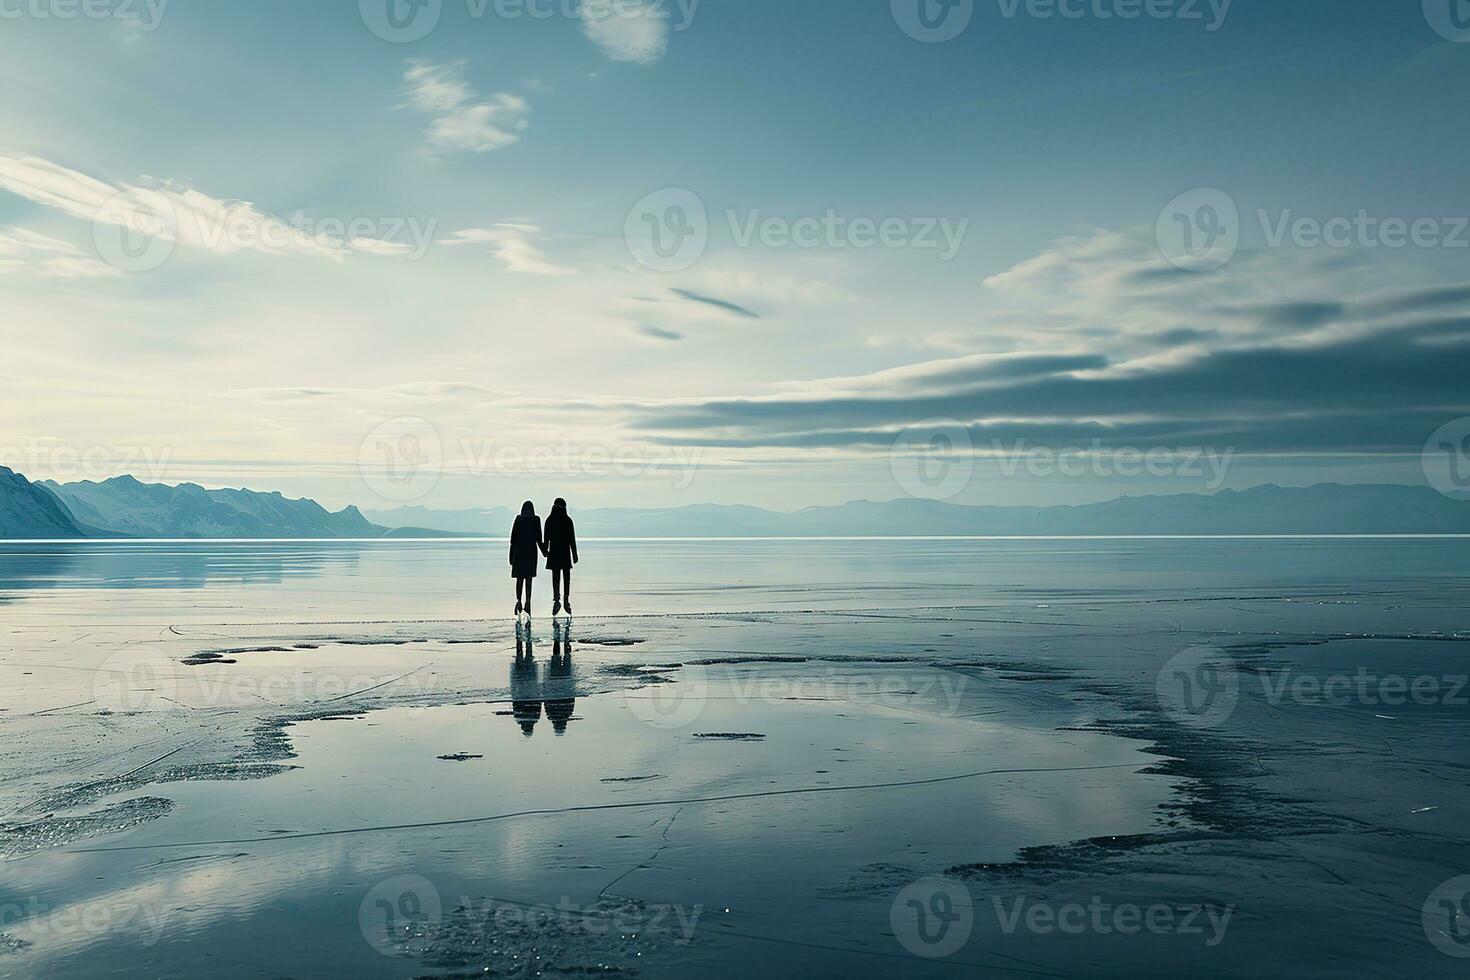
[(529, 582), (566, 589), (519, 583)]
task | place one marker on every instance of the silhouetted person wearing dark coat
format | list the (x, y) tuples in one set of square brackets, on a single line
[(525, 542), (561, 555)]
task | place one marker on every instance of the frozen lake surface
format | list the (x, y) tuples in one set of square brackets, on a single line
[(883, 757)]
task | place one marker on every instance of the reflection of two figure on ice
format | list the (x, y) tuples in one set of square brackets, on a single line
[(532, 690)]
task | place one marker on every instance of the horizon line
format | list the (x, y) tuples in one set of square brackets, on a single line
[(819, 537)]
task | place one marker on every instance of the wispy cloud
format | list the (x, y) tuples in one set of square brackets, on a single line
[(25, 252), (720, 304), (627, 30), (1281, 352), (656, 333), (463, 122), (173, 213), (512, 244)]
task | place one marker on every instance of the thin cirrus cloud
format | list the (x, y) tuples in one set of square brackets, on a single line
[(1288, 353), (652, 332), (29, 253), (715, 302), (512, 243), (463, 121), (173, 213), (635, 31)]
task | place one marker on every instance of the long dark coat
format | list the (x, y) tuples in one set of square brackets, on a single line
[(561, 541), (525, 546)]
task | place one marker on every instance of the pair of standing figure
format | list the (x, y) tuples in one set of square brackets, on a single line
[(557, 544)]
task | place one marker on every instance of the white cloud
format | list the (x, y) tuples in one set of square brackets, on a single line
[(627, 30), (463, 122), (172, 213), (512, 244), (25, 252), (1115, 290)]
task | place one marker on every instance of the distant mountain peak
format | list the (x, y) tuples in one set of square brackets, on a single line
[(29, 510), (125, 506)]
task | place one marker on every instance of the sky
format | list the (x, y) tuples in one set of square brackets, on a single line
[(457, 253)]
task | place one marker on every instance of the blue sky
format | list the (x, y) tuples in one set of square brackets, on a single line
[(486, 322)]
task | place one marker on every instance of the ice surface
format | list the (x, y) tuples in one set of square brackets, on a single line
[(225, 758)]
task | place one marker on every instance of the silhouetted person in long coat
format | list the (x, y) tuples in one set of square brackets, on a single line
[(561, 555), (525, 542)]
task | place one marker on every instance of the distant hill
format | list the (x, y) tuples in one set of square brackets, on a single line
[(28, 510), (124, 506), (1325, 508)]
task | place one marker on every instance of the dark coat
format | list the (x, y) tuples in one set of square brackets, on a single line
[(525, 544), (561, 541)]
